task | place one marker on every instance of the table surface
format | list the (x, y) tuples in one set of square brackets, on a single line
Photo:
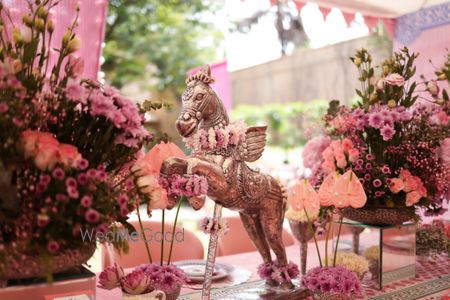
[(251, 260)]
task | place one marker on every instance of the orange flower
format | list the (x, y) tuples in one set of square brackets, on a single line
[(303, 196), (396, 185)]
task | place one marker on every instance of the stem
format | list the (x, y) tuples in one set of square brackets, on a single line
[(314, 237), (162, 239), (174, 228), (326, 241), (143, 233), (337, 241)]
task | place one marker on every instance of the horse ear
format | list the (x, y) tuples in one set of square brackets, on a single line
[(207, 70)]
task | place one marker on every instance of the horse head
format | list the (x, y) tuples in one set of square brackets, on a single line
[(201, 107)]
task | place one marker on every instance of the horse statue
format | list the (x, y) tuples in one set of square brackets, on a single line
[(259, 198)]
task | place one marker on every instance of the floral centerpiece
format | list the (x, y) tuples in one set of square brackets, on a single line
[(353, 262), (160, 193), (397, 147), (333, 279), (66, 144)]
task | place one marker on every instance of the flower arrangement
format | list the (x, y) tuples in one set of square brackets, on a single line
[(66, 142), (212, 226), (143, 279), (372, 253), (397, 147), (217, 138), (331, 281), (352, 262), (272, 271), (432, 239)]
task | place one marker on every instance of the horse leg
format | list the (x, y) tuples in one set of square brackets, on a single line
[(254, 230), (212, 172), (272, 224)]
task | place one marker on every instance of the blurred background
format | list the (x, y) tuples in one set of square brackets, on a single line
[(275, 62)]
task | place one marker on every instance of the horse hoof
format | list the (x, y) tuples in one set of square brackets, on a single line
[(287, 285), (271, 282)]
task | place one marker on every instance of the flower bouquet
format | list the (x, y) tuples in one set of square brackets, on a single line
[(66, 144), (396, 146)]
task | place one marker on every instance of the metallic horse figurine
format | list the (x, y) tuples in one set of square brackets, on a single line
[(259, 198)]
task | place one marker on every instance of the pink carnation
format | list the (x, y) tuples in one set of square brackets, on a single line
[(394, 79)]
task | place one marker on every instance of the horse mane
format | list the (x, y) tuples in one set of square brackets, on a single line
[(203, 75)]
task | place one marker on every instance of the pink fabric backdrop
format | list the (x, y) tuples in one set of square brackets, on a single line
[(90, 29), (222, 84)]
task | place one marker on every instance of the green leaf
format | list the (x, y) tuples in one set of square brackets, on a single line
[(445, 95)]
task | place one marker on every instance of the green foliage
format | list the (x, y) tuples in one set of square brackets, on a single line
[(148, 39), (286, 121)]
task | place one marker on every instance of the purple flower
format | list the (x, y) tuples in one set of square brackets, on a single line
[(52, 246), (110, 277), (387, 132), (135, 283), (376, 183), (58, 173), (92, 216), (332, 279), (86, 201)]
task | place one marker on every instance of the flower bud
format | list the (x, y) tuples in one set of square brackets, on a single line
[(42, 13), (440, 101), (392, 103), (74, 44), (26, 19), (357, 61), (39, 24), (17, 66), (50, 26), (66, 38), (442, 76), (17, 37), (26, 34)]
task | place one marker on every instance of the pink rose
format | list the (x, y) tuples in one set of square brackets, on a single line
[(353, 154), (395, 79), (136, 282), (328, 166), (47, 154), (336, 145), (347, 144), (327, 154), (396, 185), (341, 163), (69, 155), (412, 198), (412, 183), (28, 139), (110, 277)]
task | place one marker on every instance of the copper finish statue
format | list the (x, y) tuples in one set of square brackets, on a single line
[(258, 198)]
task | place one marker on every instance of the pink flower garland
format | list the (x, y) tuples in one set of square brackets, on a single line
[(177, 186), (275, 272), (217, 138)]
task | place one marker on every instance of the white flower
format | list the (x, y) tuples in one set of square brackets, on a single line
[(25, 33), (300, 216)]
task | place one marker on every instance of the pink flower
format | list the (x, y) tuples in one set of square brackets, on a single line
[(377, 183), (444, 151), (83, 164), (3, 107), (158, 199), (375, 120), (396, 185), (110, 277), (73, 192), (353, 154), (75, 66), (151, 163), (86, 201), (387, 132), (135, 283), (92, 216), (75, 92), (312, 152), (341, 162), (412, 198), (347, 144), (58, 173), (52, 246), (69, 155), (122, 199), (394, 79)]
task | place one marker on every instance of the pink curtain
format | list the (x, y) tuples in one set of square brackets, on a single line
[(90, 29)]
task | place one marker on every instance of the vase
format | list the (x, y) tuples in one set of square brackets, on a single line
[(155, 295), (303, 232), (319, 295), (24, 266), (379, 216)]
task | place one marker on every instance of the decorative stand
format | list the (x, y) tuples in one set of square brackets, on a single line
[(211, 259), (390, 250)]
